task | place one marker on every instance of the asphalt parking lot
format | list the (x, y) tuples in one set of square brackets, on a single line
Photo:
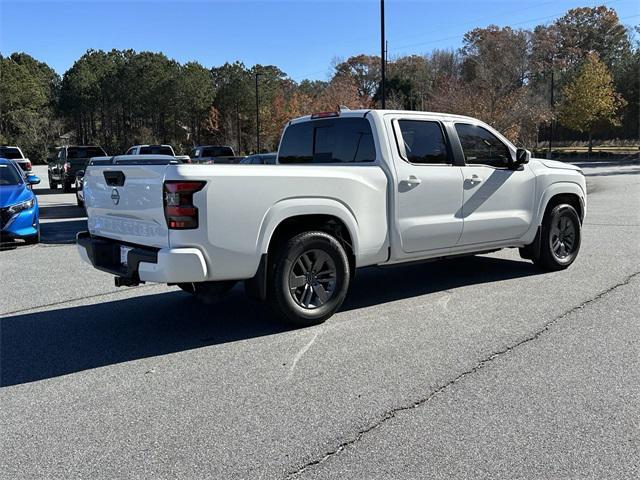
[(480, 367)]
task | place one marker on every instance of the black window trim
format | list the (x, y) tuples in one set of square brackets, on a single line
[(464, 157), (397, 133)]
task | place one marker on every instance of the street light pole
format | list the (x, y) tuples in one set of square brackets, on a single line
[(551, 101), (382, 55), (257, 116)]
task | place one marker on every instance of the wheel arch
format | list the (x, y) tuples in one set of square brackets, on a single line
[(560, 192), (291, 217), (297, 215)]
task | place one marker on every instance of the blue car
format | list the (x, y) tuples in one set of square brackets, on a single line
[(18, 204)]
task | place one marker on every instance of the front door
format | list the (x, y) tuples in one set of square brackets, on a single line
[(497, 200), (428, 189)]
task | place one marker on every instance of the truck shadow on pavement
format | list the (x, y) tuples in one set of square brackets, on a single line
[(36, 346)]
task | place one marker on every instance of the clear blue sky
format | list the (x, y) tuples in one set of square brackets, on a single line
[(301, 37)]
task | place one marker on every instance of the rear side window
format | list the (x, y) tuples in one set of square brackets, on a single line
[(156, 150), (481, 147), (217, 152), (85, 152), (423, 142), (10, 153), (339, 140)]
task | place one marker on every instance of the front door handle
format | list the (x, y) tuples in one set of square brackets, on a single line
[(474, 180), (413, 180)]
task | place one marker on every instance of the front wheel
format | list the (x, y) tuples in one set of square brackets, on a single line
[(560, 238), (309, 278)]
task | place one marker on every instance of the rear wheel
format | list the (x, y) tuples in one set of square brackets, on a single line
[(66, 186), (52, 184), (309, 278), (560, 238)]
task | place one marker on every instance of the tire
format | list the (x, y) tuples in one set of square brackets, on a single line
[(560, 238), (66, 187), (207, 292), (79, 202), (308, 279), (52, 185)]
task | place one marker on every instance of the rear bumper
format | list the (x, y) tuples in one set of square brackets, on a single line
[(144, 264)]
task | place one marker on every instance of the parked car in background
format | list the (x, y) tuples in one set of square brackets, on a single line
[(78, 188), (19, 217), (210, 154), (157, 150), (352, 189), (260, 159), (15, 154), (64, 164), (151, 150)]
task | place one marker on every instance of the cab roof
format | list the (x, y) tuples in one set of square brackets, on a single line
[(360, 113)]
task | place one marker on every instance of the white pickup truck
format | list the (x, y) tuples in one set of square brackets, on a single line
[(351, 189)]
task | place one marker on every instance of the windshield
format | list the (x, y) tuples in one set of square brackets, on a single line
[(156, 150), (10, 153), (9, 175), (85, 152), (217, 152)]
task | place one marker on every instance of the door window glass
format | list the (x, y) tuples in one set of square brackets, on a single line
[(424, 142), (481, 147)]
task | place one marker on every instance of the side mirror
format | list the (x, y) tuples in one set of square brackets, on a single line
[(522, 156), (33, 179)]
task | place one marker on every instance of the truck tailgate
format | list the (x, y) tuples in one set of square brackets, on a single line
[(125, 202)]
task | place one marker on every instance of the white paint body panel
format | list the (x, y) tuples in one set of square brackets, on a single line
[(389, 221), (498, 204)]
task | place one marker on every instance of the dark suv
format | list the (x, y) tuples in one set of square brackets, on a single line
[(66, 161)]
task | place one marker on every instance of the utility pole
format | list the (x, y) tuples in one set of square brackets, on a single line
[(383, 54), (238, 127), (551, 122), (257, 115)]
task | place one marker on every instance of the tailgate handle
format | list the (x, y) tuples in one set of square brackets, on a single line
[(114, 179)]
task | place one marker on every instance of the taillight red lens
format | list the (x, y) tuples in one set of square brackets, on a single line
[(179, 210), (28, 165), (66, 166)]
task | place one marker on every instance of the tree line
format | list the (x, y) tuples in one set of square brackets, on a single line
[(576, 78)]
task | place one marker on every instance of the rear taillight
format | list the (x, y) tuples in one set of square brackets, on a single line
[(66, 167), (27, 165), (179, 210)]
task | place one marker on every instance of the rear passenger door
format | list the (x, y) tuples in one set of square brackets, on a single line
[(428, 187)]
